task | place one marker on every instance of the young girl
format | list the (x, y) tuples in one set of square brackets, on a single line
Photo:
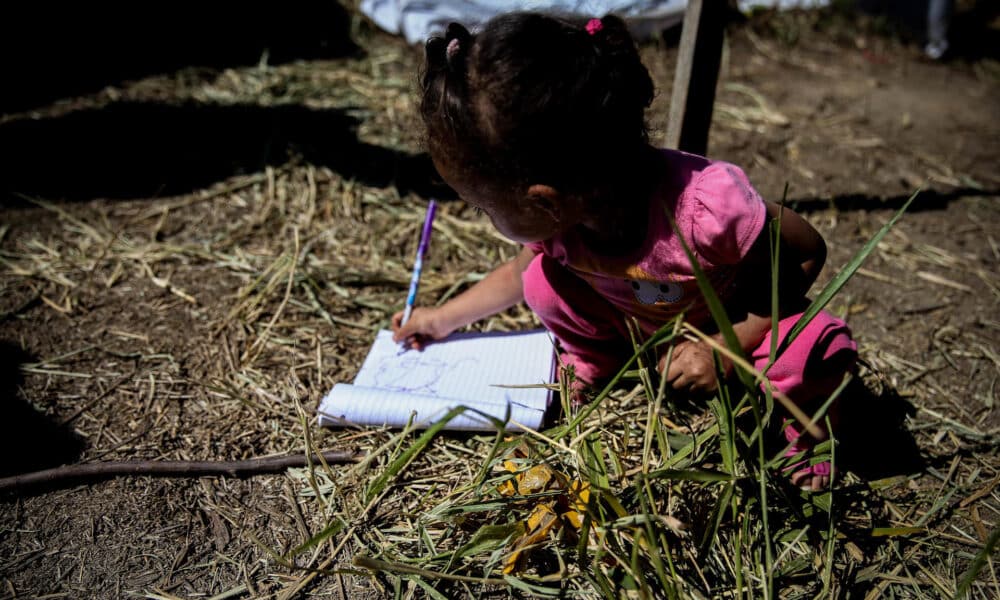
[(539, 122)]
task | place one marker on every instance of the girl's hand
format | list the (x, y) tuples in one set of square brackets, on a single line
[(499, 290), (424, 324), (691, 368)]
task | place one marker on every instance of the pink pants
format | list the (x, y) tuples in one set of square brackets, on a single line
[(596, 343)]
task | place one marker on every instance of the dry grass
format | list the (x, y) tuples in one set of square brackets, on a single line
[(207, 326)]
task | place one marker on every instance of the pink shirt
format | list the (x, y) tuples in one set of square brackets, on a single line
[(720, 216)]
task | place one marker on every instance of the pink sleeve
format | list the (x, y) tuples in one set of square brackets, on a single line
[(728, 214), (536, 247)]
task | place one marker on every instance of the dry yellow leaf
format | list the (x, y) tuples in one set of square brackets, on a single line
[(534, 480), (579, 494), (573, 518), (541, 521), (507, 488)]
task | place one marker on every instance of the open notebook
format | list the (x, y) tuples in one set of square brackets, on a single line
[(466, 369)]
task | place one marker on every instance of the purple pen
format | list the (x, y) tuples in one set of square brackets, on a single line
[(418, 264)]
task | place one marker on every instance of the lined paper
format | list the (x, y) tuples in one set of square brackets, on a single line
[(466, 369)]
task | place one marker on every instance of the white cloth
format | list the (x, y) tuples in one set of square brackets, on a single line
[(781, 4), (416, 20)]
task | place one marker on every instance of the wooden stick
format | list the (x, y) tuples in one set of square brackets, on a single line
[(696, 75), (168, 468)]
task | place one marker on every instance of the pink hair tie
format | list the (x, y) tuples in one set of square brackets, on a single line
[(594, 25), (452, 48)]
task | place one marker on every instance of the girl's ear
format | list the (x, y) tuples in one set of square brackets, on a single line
[(548, 200)]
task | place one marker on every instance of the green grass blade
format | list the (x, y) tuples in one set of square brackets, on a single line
[(592, 452), (429, 589), (484, 471), (962, 591), (535, 590), (663, 335), (699, 440), (714, 304), (330, 530), (845, 274), (702, 475), (711, 535), (400, 462), (727, 433), (489, 538)]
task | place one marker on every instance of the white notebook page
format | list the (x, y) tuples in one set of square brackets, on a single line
[(465, 369)]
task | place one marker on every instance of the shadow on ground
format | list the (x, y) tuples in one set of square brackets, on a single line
[(59, 51), (927, 199), (147, 150), (874, 441), (29, 440)]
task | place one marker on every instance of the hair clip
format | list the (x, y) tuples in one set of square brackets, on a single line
[(594, 25), (452, 49)]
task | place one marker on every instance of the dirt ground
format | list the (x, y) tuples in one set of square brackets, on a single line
[(199, 255)]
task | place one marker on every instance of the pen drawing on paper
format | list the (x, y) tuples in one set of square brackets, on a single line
[(415, 374)]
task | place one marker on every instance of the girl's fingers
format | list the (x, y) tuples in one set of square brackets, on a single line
[(413, 332), (679, 381), (676, 370), (404, 332), (704, 387), (415, 341)]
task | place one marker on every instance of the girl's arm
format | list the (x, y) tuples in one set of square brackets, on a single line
[(802, 254), (498, 291)]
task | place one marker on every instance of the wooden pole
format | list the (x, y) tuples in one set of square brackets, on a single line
[(696, 75)]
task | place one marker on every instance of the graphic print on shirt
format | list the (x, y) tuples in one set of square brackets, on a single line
[(652, 292)]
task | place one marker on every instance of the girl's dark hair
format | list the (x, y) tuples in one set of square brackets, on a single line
[(537, 99)]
